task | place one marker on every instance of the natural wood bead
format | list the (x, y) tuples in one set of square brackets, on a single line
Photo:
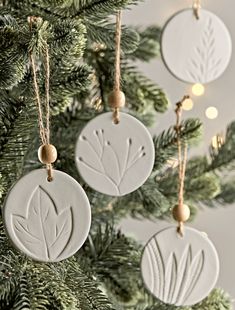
[(181, 214), (47, 154), (116, 99)]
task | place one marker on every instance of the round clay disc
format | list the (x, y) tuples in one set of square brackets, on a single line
[(115, 159), (48, 221), (180, 271), (196, 51)]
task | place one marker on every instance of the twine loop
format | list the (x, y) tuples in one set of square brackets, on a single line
[(180, 229), (43, 120), (182, 159), (117, 74), (116, 116), (196, 8)]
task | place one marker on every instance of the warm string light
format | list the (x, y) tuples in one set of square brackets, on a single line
[(187, 105), (211, 112), (217, 141), (198, 89)]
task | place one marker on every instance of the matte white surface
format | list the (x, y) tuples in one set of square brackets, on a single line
[(196, 51), (180, 270), (48, 221), (115, 159)]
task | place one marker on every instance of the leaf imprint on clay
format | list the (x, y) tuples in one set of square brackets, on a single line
[(174, 279), (44, 231), (203, 66)]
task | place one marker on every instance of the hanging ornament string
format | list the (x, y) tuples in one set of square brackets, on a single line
[(196, 8), (118, 53), (117, 97), (44, 129), (47, 89), (181, 211)]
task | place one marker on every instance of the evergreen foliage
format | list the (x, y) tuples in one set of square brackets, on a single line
[(105, 273)]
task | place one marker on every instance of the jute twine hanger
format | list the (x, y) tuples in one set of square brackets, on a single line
[(47, 152), (181, 212), (117, 97), (196, 8)]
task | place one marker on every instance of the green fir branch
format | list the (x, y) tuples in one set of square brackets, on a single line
[(114, 259), (15, 139), (142, 94), (223, 157), (104, 33), (149, 44), (166, 142)]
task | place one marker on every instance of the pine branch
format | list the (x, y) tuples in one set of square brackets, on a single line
[(15, 138), (69, 9), (148, 201), (32, 285), (89, 295), (165, 143), (12, 53), (226, 195), (103, 32), (217, 300), (149, 45), (114, 259), (223, 157), (21, 299), (202, 188), (7, 291), (70, 83), (98, 8), (54, 292), (67, 44), (141, 93)]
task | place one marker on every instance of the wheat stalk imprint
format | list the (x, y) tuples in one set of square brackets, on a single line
[(102, 149), (44, 231), (173, 281), (204, 64)]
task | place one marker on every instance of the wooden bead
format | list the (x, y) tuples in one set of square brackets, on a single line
[(181, 214), (47, 154), (117, 99)]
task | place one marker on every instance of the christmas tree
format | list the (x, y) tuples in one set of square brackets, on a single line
[(105, 273)]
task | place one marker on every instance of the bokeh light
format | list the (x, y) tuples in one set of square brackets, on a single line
[(198, 89), (212, 112), (217, 141), (187, 104)]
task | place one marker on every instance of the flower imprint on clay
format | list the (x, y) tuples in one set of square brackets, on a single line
[(102, 149)]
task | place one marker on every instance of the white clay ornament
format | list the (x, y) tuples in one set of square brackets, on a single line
[(196, 50), (115, 159), (48, 221), (178, 270)]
